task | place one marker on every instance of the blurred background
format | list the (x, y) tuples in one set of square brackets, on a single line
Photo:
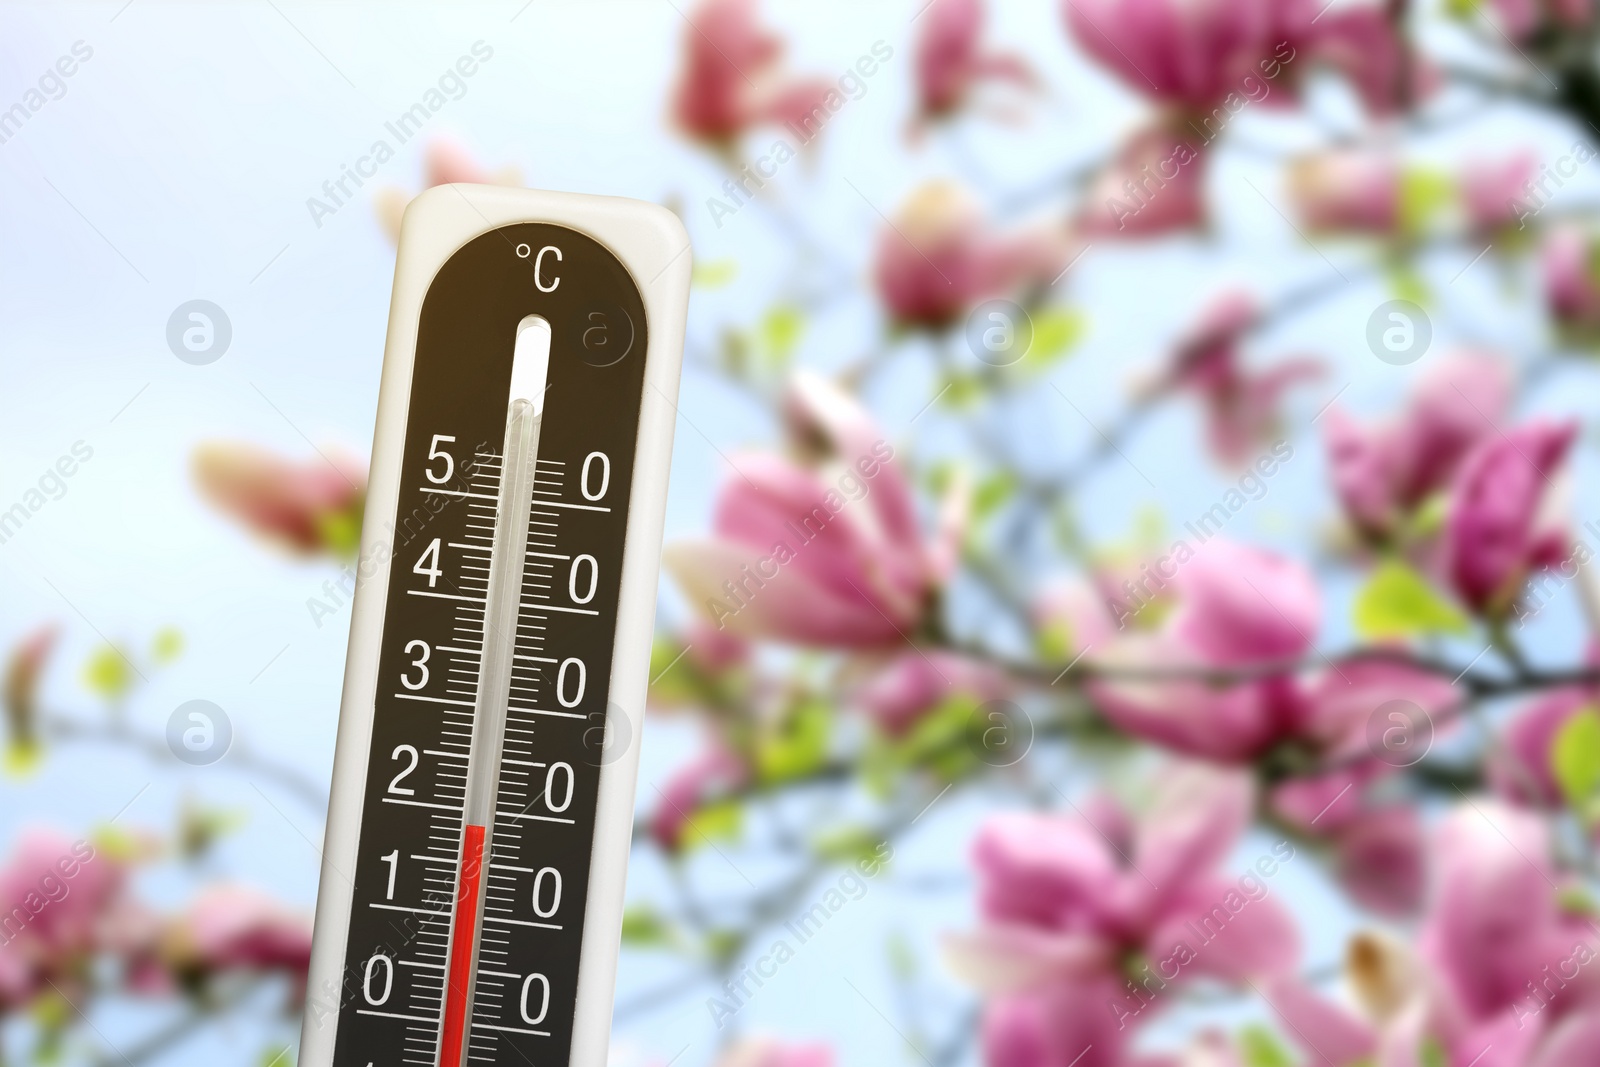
[(1196, 668)]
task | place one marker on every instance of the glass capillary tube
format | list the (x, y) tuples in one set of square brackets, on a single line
[(501, 606)]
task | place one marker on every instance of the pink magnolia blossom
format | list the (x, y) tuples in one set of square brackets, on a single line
[(1496, 919), (1337, 705), (20, 980), (1241, 405), (1154, 187), (1197, 55), (1361, 43), (731, 81), (912, 684), (767, 1052), (1503, 522), (1376, 842), (1381, 860), (1065, 903), (1523, 18), (1572, 281), (1074, 617), (444, 162), (1227, 606), (1056, 1025), (950, 62), (1188, 54), (231, 927), (308, 507), (1044, 1028), (1384, 471), (1226, 615), (940, 257), (1521, 769), (1347, 192), (1494, 192), (56, 900), (1377, 846), (62, 887), (826, 552), (712, 650), (714, 771), (1503, 972)]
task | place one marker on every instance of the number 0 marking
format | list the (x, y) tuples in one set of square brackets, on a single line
[(572, 578), (605, 475), (544, 1005), (388, 981)]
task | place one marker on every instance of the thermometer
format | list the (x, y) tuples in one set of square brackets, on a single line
[(470, 906)]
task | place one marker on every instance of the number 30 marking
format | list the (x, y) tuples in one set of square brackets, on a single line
[(421, 663)]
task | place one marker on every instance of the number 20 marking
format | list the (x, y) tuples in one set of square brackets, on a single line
[(580, 672), (578, 563), (394, 783)]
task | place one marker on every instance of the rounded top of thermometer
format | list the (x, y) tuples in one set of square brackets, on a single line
[(530, 363)]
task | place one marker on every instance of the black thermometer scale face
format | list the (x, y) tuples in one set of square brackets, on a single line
[(413, 993)]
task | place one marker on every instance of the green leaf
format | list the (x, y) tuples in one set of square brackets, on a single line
[(1429, 518), (167, 646), (1575, 759), (1056, 333), (674, 680), (1424, 192), (1462, 9), (722, 945), (22, 758), (1055, 640), (780, 333), (714, 822), (992, 493), (799, 747), (1399, 602), (946, 740), (1594, 260), (902, 956), (1433, 1054), (279, 1056), (961, 391), (714, 274), (1575, 900), (642, 925), (1407, 283), (123, 846), (340, 531), (108, 673), (847, 844), (1261, 1048)]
